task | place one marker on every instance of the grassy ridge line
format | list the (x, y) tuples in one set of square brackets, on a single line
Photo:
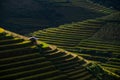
[(25, 38), (16, 35)]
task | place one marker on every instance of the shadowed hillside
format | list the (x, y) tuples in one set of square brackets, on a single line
[(25, 16), (95, 39), (113, 4)]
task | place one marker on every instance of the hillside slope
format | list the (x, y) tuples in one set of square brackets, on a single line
[(93, 39), (30, 15), (114, 4), (19, 59), (111, 29)]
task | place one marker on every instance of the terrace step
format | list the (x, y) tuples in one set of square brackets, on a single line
[(79, 76), (19, 58), (45, 75), (30, 73), (24, 68), (70, 67), (20, 51), (60, 77), (13, 46), (55, 54), (114, 63), (50, 49), (64, 57), (76, 71), (67, 65), (87, 77), (22, 63), (10, 41), (6, 37), (65, 60)]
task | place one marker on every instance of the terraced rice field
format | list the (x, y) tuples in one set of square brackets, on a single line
[(107, 54), (63, 35), (21, 60), (86, 4), (77, 37)]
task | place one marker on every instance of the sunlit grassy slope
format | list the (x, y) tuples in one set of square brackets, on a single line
[(96, 40), (39, 14)]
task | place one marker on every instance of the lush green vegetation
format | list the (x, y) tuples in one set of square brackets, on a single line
[(96, 40)]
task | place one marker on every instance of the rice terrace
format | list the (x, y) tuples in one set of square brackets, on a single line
[(60, 40)]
